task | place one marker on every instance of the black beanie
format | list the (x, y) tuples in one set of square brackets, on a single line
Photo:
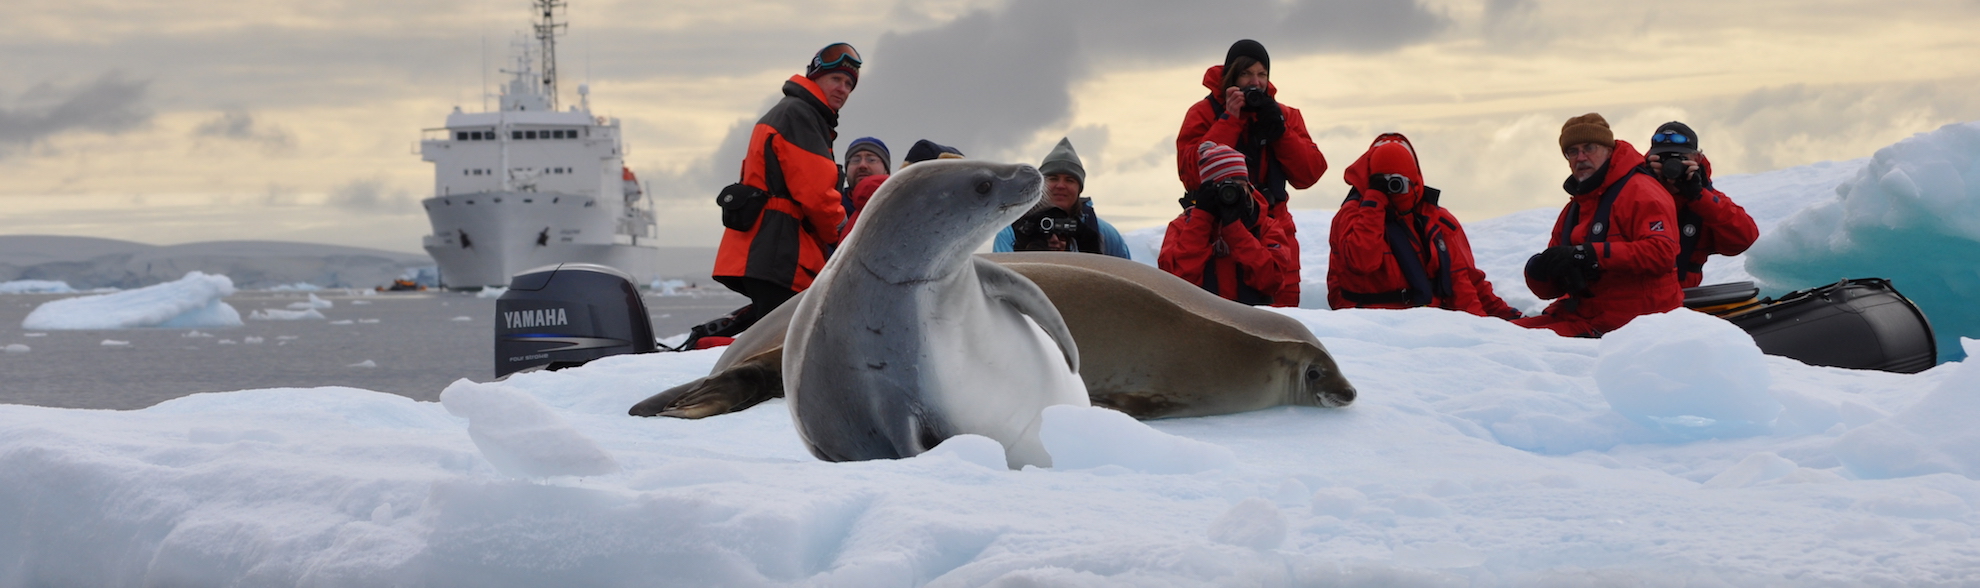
[(1248, 48), (1659, 145)]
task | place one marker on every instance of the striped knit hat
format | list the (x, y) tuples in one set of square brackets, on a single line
[(1216, 163)]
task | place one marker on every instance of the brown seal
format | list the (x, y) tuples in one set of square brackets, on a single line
[(1150, 345)]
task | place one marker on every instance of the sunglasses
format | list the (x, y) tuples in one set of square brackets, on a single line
[(1670, 137), (835, 55)]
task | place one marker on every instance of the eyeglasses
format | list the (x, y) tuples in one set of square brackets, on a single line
[(1670, 137), (835, 55), (1589, 149)]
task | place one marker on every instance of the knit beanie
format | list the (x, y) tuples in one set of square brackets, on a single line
[(850, 67), (1662, 141), (925, 150), (1587, 128), (1248, 48), (1062, 160), (1215, 163), (874, 146)]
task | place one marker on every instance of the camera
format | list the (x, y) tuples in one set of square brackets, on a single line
[(1391, 184), (1050, 221), (1673, 166), (1255, 99), (1231, 193)]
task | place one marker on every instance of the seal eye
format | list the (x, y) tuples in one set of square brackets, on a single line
[(1312, 374), (983, 187)]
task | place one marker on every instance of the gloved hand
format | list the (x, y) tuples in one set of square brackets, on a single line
[(1205, 199), (1691, 186), (1569, 267), (1246, 212), (1269, 124)]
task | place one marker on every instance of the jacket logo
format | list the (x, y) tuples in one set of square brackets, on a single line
[(1690, 230), (548, 317), (1657, 226)]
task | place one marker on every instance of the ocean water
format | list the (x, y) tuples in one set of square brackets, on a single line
[(415, 343)]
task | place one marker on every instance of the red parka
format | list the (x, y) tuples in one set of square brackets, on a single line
[(786, 245), (1230, 260), (1291, 160), (1363, 266), (1710, 225), (1637, 257)]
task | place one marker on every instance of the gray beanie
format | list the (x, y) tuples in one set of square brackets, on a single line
[(1062, 160)]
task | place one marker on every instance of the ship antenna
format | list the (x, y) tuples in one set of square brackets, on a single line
[(546, 35)]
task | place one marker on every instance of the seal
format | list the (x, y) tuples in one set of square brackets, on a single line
[(906, 339), (1152, 346)]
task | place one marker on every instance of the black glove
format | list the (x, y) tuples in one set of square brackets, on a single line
[(1691, 186), (1247, 212), (1569, 267), (1270, 123), (1205, 199)]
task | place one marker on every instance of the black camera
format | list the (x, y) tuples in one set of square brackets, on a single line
[(1255, 99), (1391, 184), (1673, 166), (1231, 192), (1050, 221)]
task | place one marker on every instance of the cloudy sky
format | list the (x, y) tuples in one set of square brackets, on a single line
[(171, 122)]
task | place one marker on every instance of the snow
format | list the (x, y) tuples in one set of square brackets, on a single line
[(1478, 454), (277, 314), (492, 292), (193, 301), (16, 348), (36, 287), (313, 302)]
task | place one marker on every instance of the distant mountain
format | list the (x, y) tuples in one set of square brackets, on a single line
[(89, 262)]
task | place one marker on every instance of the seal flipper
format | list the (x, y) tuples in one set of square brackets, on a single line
[(1012, 288)]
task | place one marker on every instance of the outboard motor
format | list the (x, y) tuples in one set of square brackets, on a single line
[(564, 315)]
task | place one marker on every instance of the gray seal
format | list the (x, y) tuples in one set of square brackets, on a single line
[(906, 339), (1152, 346)]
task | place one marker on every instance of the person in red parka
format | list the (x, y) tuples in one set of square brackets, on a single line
[(1222, 242), (1708, 222), (774, 246), (1242, 112), (1393, 246), (1613, 254)]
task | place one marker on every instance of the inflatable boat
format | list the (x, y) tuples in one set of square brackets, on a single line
[(1861, 323)]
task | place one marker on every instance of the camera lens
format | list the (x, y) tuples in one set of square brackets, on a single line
[(1229, 194), (1673, 167)]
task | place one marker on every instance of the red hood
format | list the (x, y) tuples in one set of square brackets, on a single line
[(1213, 79), (1356, 173)]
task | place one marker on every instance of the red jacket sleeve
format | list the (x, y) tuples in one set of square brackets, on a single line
[(1644, 222), (1295, 150), (1186, 245), (1728, 230), (1263, 258), (1359, 241), (814, 184)]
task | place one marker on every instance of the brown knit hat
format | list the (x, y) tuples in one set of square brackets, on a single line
[(1587, 128)]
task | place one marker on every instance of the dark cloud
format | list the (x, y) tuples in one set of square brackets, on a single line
[(239, 125), (371, 195), (110, 104)]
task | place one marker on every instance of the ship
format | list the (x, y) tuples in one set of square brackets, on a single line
[(528, 185)]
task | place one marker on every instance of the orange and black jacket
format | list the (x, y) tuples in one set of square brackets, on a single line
[(790, 156)]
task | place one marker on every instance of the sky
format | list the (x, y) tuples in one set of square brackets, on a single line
[(167, 123)]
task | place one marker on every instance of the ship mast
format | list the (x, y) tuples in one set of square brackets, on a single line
[(546, 36)]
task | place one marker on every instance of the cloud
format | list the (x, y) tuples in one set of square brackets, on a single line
[(239, 125), (110, 104), (371, 195)]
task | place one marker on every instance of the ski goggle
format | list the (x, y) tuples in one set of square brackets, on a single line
[(835, 55), (1670, 138)]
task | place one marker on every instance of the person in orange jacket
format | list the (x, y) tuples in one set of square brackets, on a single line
[(778, 232), (1709, 223), (1222, 242), (1393, 246), (1242, 112), (1613, 254)]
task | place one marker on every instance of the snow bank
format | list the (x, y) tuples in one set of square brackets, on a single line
[(1479, 454), (36, 287), (277, 314), (1912, 215), (191, 302), (1689, 374)]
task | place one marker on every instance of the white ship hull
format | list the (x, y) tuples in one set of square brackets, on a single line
[(483, 239)]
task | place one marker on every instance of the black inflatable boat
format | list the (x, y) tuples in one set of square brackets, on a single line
[(1861, 323)]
